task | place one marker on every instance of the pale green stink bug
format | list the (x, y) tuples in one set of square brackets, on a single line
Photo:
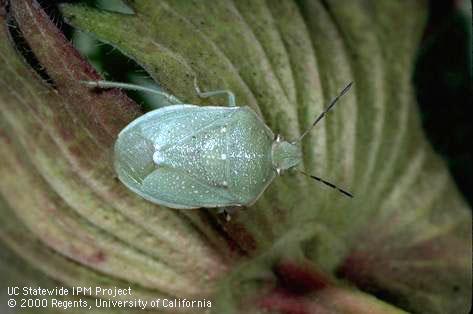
[(185, 156)]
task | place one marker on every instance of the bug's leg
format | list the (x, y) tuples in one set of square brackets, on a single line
[(228, 211), (109, 84), (228, 217), (231, 96), (223, 210)]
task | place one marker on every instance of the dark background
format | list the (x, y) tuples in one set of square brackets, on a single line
[(443, 81)]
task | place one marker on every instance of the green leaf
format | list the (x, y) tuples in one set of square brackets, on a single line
[(405, 238)]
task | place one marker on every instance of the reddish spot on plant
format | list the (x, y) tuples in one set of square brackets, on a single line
[(300, 278), (284, 303)]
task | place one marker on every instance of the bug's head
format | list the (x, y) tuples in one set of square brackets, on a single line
[(285, 154)]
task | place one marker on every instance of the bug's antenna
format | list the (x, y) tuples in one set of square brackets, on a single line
[(333, 186), (330, 106)]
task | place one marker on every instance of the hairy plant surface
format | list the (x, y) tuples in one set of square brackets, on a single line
[(403, 243)]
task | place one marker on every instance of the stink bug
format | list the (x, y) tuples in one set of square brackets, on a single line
[(185, 156)]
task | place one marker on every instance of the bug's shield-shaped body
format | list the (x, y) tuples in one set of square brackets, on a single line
[(186, 156)]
